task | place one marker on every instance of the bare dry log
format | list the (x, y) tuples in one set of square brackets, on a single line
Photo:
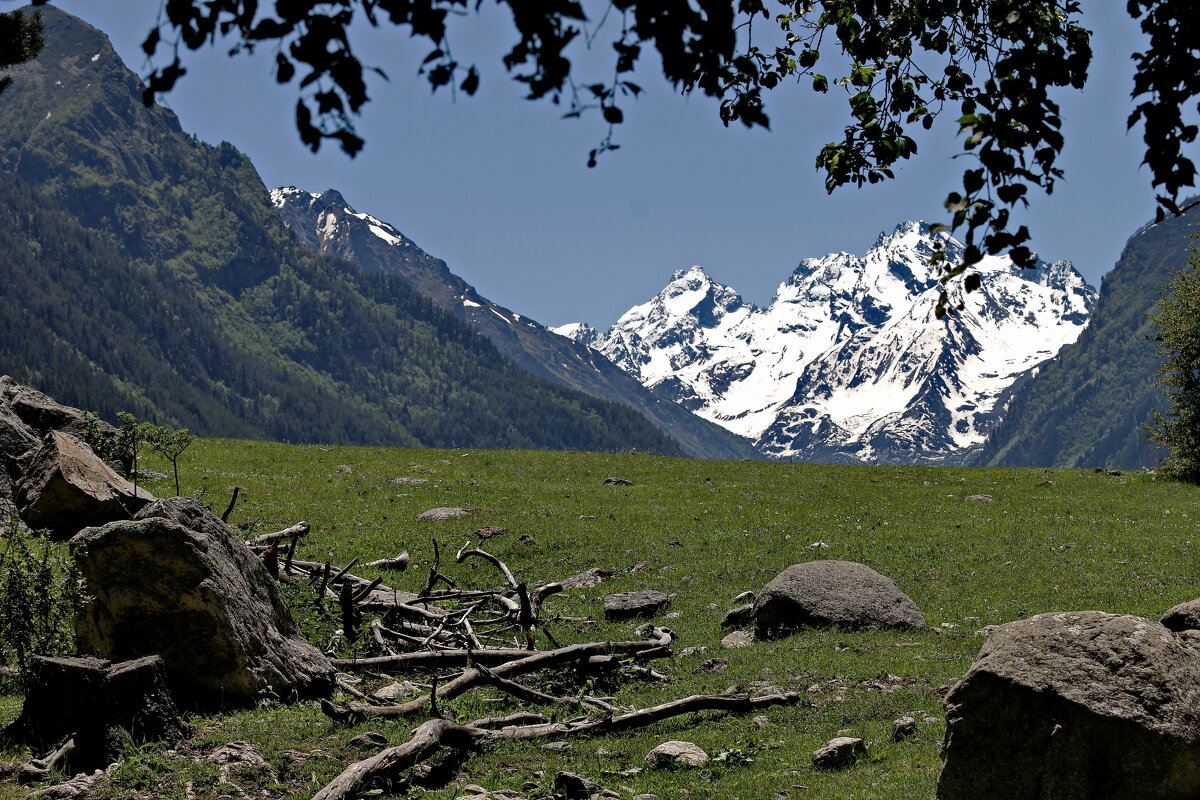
[(299, 530), (399, 563), (457, 658), (472, 676), (436, 734), (464, 554)]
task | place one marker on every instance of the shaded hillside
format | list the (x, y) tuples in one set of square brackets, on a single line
[(330, 226), (1086, 407), (145, 270)]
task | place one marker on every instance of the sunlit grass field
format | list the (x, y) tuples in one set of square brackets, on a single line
[(705, 531)]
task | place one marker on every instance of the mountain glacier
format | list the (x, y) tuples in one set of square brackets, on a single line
[(849, 361)]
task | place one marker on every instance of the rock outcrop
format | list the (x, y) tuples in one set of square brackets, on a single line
[(67, 487), (821, 593), (179, 583), (1076, 706)]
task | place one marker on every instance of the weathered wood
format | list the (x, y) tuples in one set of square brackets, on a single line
[(432, 736), (472, 677), (464, 554), (299, 530), (232, 503)]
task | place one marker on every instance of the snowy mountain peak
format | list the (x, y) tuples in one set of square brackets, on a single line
[(849, 362)]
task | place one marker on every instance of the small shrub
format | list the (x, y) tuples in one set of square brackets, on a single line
[(40, 589)]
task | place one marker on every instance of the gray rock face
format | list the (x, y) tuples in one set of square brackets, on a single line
[(42, 413), (626, 605), (16, 440), (68, 487), (819, 593), (1075, 706), (676, 753), (839, 753), (200, 599), (439, 514), (1183, 617)]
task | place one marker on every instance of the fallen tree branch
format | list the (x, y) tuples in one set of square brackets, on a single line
[(436, 734), (299, 530), (472, 677), (492, 656)]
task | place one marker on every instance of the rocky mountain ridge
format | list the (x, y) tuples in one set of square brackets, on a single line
[(327, 224), (848, 362)]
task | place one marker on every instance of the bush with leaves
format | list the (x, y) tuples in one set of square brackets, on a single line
[(1177, 317), (40, 589), (170, 444)]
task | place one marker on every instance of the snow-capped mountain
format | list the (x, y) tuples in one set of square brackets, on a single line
[(329, 225), (849, 362)]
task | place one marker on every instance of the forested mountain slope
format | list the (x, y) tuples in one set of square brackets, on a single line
[(329, 225), (1087, 406), (147, 271)]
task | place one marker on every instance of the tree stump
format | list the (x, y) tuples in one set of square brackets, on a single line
[(98, 704)]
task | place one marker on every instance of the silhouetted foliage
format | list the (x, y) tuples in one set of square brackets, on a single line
[(20, 41), (991, 65), (1177, 323)]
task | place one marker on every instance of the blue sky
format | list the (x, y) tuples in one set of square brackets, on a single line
[(499, 188)]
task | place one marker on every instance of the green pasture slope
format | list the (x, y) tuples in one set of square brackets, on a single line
[(706, 532)]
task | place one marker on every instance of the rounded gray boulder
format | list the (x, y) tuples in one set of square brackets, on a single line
[(822, 593)]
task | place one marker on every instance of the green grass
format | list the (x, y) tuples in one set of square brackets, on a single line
[(706, 531)]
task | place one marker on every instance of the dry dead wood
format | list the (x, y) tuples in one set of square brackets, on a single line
[(436, 734), (299, 530), (472, 676), (399, 563)]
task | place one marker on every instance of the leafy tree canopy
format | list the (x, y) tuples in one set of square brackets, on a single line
[(20, 40), (990, 66)]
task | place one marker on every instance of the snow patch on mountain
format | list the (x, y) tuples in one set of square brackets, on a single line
[(848, 361)]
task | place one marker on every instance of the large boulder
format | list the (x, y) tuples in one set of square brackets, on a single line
[(821, 593), (178, 582), (67, 487), (1076, 706)]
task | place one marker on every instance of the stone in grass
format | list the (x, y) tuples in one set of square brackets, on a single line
[(1183, 617), (439, 514), (676, 754), (980, 498), (627, 605), (839, 753), (823, 593), (1075, 706), (557, 747), (575, 787), (617, 482), (370, 739), (738, 617), (903, 728), (738, 639), (714, 665)]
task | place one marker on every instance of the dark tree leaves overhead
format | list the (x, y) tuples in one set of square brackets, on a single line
[(20, 41), (991, 65)]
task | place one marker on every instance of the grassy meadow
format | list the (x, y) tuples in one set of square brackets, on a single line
[(703, 531)]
